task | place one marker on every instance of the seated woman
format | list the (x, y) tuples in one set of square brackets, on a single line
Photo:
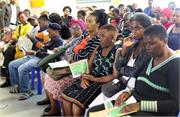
[(82, 92), (83, 50), (65, 32), (19, 69), (77, 28), (131, 58), (156, 90)]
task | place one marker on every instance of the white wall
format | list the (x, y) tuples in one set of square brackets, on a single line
[(50, 5), (57, 5)]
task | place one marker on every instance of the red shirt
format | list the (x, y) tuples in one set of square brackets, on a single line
[(167, 25)]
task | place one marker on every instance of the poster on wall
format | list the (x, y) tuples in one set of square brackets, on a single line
[(37, 3)]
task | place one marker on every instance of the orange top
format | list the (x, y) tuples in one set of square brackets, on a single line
[(81, 45)]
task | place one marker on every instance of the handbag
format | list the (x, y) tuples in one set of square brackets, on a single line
[(43, 63), (109, 89), (58, 73)]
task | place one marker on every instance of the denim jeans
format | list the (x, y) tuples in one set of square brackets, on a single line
[(19, 71)]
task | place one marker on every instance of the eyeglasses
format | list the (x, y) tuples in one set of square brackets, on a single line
[(66, 10), (136, 28)]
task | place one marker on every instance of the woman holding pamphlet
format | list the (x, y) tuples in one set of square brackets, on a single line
[(77, 28), (156, 90), (82, 92), (83, 50)]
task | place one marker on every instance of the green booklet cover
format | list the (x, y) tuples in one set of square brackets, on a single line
[(116, 112), (79, 68)]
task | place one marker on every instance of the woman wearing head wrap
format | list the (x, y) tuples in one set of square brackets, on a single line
[(52, 87), (165, 17)]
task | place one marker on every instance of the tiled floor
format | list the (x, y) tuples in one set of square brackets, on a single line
[(11, 107)]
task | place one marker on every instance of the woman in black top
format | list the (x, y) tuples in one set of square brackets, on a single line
[(66, 18), (157, 87)]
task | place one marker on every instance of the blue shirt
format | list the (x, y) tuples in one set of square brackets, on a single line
[(55, 42), (174, 41), (149, 11)]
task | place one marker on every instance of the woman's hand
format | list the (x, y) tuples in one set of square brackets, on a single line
[(134, 107), (123, 97), (89, 77), (127, 42), (84, 83), (55, 49), (30, 52)]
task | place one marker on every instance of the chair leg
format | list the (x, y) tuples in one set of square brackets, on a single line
[(39, 82), (32, 79)]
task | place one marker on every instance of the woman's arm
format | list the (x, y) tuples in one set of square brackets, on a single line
[(171, 105), (90, 63)]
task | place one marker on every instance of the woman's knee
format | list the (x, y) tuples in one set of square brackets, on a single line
[(12, 64)]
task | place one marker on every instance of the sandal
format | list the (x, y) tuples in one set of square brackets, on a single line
[(14, 90), (26, 96)]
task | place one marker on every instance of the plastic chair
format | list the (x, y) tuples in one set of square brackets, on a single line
[(39, 84)]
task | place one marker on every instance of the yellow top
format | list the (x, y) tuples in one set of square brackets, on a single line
[(21, 30)]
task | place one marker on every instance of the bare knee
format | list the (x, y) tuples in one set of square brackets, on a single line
[(77, 111)]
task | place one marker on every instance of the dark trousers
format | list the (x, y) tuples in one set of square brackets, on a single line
[(9, 56)]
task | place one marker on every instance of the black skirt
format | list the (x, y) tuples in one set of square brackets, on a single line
[(79, 96)]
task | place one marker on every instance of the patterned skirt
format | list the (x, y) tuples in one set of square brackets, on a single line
[(79, 96), (57, 87)]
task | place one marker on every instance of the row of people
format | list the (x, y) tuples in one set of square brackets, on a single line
[(106, 62)]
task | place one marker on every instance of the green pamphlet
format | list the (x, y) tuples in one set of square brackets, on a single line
[(79, 68)]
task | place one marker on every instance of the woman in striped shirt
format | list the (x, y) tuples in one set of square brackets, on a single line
[(83, 50)]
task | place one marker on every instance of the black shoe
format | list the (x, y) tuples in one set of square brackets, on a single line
[(55, 114), (43, 102), (47, 109), (5, 84)]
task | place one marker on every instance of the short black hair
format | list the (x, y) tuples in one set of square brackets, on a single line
[(109, 27), (156, 31), (110, 7), (67, 7), (142, 19), (120, 5), (44, 17), (130, 8), (55, 18), (116, 11), (27, 10), (138, 10), (101, 17), (82, 12)]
